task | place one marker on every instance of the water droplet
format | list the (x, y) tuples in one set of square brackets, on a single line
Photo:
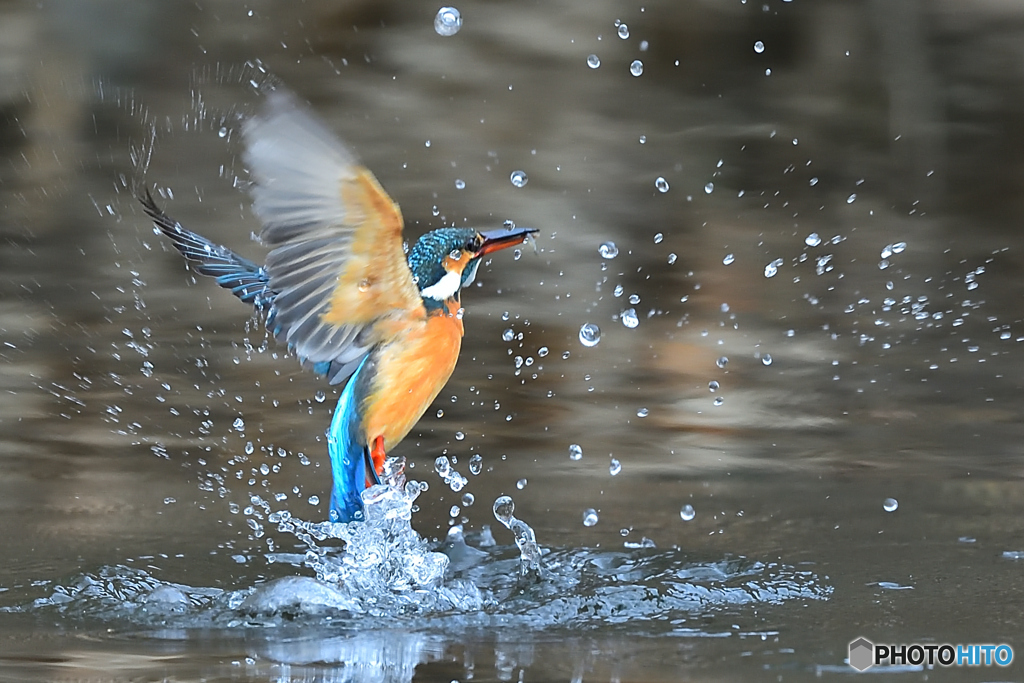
[(314, 500), (661, 184), (614, 467), (642, 412), (608, 250), (519, 178), (718, 401), (239, 424), (476, 464), (709, 188), (320, 397), (459, 436), (636, 68), (852, 198), (658, 237), (440, 413), (468, 499), (617, 292), (713, 386), (812, 240), (728, 260), (454, 511), (890, 505), (589, 517), (687, 513), (623, 31), (590, 334), (223, 132), (575, 451), (672, 258), (643, 139), (521, 484), (593, 61), (508, 335), (542, 351), (722, 362), (634, 299), (759, 47), (766, 359), (899, 247), (443, 467), (504, 507), (447, 22), (460, 184), (629, 318), (644, 45), (772, 269)]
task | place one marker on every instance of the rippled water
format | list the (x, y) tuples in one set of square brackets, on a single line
[(756, 394)]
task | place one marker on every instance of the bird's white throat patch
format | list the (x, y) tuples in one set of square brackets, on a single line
[(444, 288)]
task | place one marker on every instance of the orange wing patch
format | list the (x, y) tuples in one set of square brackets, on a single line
[(376, 281)]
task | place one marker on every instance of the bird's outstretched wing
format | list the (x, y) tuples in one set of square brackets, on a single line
[(337, 266)]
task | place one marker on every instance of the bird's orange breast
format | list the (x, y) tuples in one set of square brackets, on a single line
[(411, 370)]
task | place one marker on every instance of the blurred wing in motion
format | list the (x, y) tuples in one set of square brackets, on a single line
[(337, 266)]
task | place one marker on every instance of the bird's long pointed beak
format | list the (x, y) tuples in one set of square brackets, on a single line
[(504, 237)]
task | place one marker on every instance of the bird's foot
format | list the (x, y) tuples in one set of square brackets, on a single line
[(377, 455)]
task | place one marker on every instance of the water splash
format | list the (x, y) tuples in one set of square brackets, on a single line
[(525, 538)]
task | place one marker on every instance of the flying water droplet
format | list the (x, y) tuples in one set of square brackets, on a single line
[(722, 362), (521, 484), (590, 334), (504, 507), (899, 247), (634, 299), (468, 499), (709, 188), (687, 513), (476, 464), (890, 505), (575, 451), (590, 517), (852, 198), (812, 240), (661, 184), (642, 412), (623, 31), (772, 269), (713, 386), (508, 335), (672, 258), (614, 467), (636, 68), (617, 292), (629, 318), (608, 250), (728, 260), (447, 22), (519, 178), (718, 401), (593, 61), (320, 397), (759, 47), (766, 359)]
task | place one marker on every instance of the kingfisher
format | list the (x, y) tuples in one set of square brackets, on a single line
[(339, 289)]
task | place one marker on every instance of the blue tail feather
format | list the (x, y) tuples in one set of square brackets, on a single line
[(351, 464)]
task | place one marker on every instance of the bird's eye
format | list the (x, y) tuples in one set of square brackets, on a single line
[(474, 244)]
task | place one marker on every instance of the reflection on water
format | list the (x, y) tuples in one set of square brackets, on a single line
[(777, 288)]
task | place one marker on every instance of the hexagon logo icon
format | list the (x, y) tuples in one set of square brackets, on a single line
[(862, 653)]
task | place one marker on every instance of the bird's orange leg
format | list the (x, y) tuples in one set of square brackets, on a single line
[(378, 455)]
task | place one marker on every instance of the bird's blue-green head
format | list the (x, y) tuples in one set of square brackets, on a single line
[(445, 260)]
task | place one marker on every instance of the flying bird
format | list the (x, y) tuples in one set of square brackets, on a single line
[(338, 288)]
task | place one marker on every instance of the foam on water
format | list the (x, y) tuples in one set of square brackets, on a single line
[(384, 574)]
